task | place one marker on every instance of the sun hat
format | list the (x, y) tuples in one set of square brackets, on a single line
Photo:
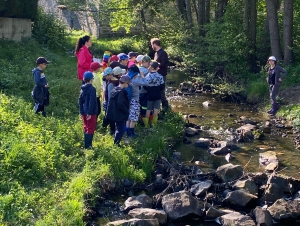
[(117, 71), (107, 71), (88, 76), (272, 58)]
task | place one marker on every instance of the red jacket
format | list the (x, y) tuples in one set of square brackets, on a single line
[(85, 59)]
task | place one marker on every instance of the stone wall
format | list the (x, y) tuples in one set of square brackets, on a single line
[(14, 28)]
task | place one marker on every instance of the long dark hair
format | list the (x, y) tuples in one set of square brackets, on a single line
[(81, 42)]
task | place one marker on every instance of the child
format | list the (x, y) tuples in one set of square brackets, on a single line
[(97, 83), (40, 92), (111, 82), (88, 108), (118, 107), (153, 93), (134, 109), (117, 71), (139, 60), (143, 93)]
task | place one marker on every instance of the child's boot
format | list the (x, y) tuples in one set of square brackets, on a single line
[(133, 135), (88, 140), (146, 122), (154, 121)]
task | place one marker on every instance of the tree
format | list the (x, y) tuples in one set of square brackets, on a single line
[(272, 15), (201, 16), (220, 9), (207, 11), (288, 31), (189, 13)]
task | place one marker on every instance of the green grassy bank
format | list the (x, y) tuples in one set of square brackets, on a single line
[(46, 177)]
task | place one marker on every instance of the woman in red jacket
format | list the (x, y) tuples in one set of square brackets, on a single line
[(83, 55)]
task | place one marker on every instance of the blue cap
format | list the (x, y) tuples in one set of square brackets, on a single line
[(88, 76), (107, 71), (133, 71), (123, 56)]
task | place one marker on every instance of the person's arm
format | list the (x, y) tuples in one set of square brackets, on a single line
[(162, 86), (97, 85), (121, 102), (84, 59), (80, 103), (37, 79), (140, 81), (110, 87), (92, 96), (163, 58), (283, 73)]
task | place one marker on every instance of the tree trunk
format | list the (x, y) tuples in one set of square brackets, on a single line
[(288, 31), (253, 19), (221, 5), (201, 13), (207, 12), (195, 7), (181, 8), (246, 18), (272, 15), (189, 13)]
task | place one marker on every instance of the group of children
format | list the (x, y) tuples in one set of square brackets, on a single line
[(130, 89)]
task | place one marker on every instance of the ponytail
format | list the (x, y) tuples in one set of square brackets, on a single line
[(81, 42)]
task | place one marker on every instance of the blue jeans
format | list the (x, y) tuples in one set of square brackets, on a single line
[(119, 132)]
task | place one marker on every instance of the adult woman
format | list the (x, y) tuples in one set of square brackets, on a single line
[(275, 77), (83, 55)]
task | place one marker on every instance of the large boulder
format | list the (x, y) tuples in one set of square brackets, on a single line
[(275, 188), (245, 132), (248, 185), (236, 219), (201, 188), (229, 172), (141, 201), (283, 210), (190, 132), (202, 143), (213, 213), (262, 217), (240, 199), (134, 222), (146, 213), (179, 205)]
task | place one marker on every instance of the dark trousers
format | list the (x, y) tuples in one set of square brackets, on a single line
[(274, 90), (119, 132), (143, 103), (109, 122), (164, 101), (99, 106)]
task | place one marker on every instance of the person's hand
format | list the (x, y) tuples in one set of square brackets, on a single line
[(47, 86), (88, 117), (280, 80), (142, 74), (81, 117)]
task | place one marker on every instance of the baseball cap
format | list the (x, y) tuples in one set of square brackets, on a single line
[(117, 71), (125, 79), (272, 58), (114, 58), (95, 66), (88, 76), (146, 59), (41, 60), (154, 65), (139, 58), (107, 71), (123, 71), (132, 54), (123, 56)]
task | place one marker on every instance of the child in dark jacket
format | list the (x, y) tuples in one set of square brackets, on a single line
[(88, 108), (118, 107)]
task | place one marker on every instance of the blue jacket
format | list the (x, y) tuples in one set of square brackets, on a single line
[(40, 93), (87, 100), (118, 107)]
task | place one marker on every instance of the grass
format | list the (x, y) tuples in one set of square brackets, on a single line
[(46, 177)]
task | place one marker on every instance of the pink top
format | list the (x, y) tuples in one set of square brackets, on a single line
[(130, 63), (85, 59)]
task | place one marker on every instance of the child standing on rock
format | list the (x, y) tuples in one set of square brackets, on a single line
[(88, 108)]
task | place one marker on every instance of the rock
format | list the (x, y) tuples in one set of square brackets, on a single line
[(179, 205), (282, 209), (134, 222), (281, 182), (198, 91), (230, 115), (185, 86), (266, 129), (249, 121), (224, 147), (248, 185), (246, 132), (236, 219), (271, 167), (262, 216), (127, 183), (158, 179), (206, 103), (141, 201), (229, 172), (186, 141), (146, 213), (202, 143), (272, 193), (268, 157), (177, 155), (192, 116), (213, 213), (201, 188), (190, 132), (240, 199)]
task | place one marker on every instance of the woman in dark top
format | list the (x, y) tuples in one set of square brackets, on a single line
[(275, 76)]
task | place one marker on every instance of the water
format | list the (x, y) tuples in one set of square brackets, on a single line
[(216, 117)]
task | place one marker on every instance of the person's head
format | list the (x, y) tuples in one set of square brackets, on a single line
[(146, 61), (117, 71), (95, 66), (132, 56), (114, 58), (124, 81), (108, 73), (139, 59), (155, 43), (123, 59), (133, 71), (41, 62), (272, 60), (88, 77), (154, 66), (85, 40)]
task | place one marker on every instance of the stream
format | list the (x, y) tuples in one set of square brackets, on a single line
[(215, 119)]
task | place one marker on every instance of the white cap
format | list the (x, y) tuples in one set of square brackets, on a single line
[(272, 58), (117, 71), (123, 71), (139, 58)]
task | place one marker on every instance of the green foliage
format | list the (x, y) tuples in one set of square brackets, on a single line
[(48, 30), (19, 9), (292, 113)]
